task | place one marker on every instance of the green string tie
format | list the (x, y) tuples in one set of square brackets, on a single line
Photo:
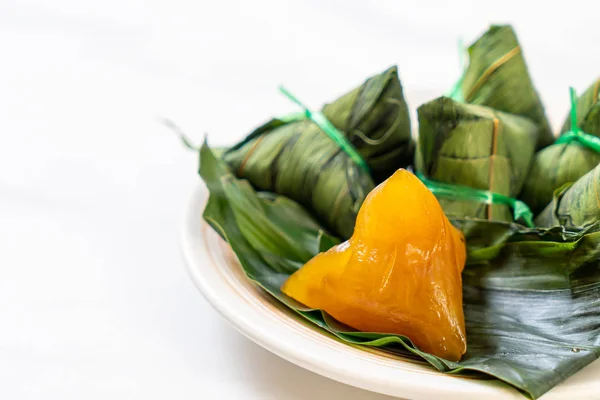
[(455, 92), (576, 134), (459, 192), (326, 126)]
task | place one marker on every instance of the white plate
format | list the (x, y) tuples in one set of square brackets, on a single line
[(217, 273)]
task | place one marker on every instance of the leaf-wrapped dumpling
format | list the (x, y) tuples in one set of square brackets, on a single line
[(497, 77), (562, 163), (474, 146), (574, 205), (298, 160)]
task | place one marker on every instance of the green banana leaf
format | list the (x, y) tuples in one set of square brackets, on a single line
[(531, 296), (497, 77), (474, 146), (575, 205), (297, 159), (563, 163)]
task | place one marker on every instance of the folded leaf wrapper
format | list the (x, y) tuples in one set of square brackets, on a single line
[(497, 77), (553, 167), (574, 205), (474, 146), (531, 297), (298, 160), (564, 163)]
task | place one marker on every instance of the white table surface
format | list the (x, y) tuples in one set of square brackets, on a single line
[(94, 300)]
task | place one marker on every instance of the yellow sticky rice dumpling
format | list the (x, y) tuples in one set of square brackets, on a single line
[(400, 272)]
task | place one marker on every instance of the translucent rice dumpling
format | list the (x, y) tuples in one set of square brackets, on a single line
[(474, 146), (575, 205), (562, 163), (297, 159), (400, 272), (497, 77)]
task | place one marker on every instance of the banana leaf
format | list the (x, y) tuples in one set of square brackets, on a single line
[(531, 296), (575, 205), (474, 146), (563, 163), (297, 159), (497, 77)]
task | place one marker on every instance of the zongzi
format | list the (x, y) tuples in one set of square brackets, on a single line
[(297, 159), (575, 205), (588, 111), (566, 162), (400, 272), (497, 77), (474, 146)]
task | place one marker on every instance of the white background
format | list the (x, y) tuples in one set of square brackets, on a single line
[(94, 300)]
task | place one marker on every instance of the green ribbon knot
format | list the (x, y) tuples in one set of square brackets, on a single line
[(576, 134), (327, 127), (459, 192)]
